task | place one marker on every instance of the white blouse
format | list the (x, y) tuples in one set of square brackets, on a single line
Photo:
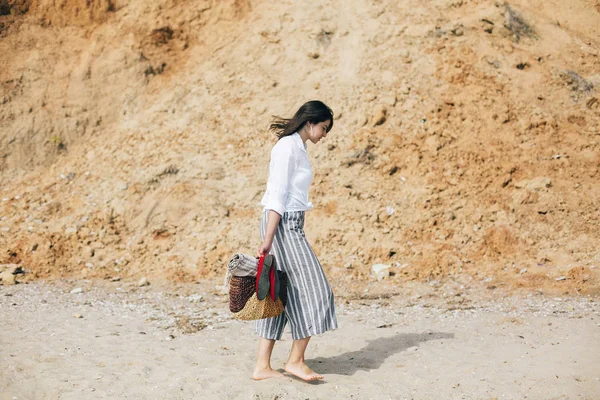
[(290, 176)]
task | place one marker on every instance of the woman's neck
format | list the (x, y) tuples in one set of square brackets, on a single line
[(303, 135)]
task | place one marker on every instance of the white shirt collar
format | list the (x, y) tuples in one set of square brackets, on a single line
[(299, 141)]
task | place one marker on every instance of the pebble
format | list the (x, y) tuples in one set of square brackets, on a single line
[(561, 278), (196, 298), (77, 290), (143, 282), (379, 115), (77, 316), (7, 278), (11, 268), (535, 184), (381, 271)]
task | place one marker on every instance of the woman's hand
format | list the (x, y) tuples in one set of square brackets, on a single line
[(264, 248), (272, 222)]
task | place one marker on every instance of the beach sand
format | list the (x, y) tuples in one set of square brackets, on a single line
[(121, 341)]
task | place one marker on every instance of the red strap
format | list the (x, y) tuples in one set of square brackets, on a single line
[(261, 262), (272, 281)]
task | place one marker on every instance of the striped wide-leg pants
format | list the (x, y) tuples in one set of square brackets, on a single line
[(310, 309)]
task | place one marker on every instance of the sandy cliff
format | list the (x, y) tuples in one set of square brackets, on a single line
[(133, 136)]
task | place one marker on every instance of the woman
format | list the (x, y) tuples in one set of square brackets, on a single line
[(310, 309)]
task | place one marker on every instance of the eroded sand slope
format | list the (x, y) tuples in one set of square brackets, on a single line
[(133, 136)]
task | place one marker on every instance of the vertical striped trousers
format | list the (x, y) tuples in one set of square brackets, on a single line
[(310, 309)]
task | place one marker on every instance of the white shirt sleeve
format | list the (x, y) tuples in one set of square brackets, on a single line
[(281, 170)]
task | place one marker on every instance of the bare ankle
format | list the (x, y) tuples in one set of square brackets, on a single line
[(265, 373)]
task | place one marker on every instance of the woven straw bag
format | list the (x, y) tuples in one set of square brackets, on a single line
[(262, 296)]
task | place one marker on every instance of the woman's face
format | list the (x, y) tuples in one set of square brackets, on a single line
[(316, 132)]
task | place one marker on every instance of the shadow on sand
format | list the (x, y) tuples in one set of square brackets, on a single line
[(373, 354)]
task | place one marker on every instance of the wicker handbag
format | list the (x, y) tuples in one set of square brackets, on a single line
[(260, 296)]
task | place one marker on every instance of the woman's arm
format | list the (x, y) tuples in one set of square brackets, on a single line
[(272, 221)]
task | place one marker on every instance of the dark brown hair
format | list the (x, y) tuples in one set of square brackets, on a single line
[(313, 111)]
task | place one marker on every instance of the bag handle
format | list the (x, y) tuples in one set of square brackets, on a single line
[(261, 263)]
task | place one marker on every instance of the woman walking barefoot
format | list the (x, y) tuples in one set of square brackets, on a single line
[(310, 309)]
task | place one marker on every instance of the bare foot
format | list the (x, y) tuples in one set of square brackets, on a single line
[(302, 371), (260, 374)]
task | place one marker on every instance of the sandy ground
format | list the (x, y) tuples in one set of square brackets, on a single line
[(120, 341)]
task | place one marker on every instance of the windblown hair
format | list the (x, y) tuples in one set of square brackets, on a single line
[(314, 111)]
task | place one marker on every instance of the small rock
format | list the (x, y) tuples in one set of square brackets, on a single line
[(458, 31), (379, 115), (195, 298), (11, 268), (535, 184), (77, 316), (390, 100), (381, 271), (115, 278), (88, 251), (561, 278), (143, 282), (77, 290), (7, 278), (521, 272)]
